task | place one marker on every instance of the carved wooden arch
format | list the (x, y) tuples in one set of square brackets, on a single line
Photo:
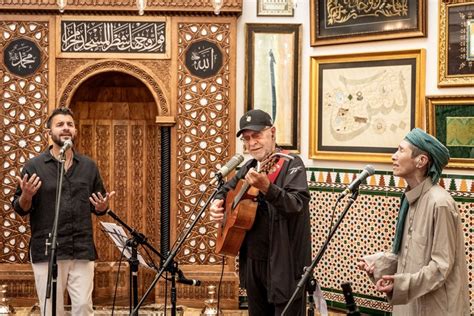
[(136, 70)]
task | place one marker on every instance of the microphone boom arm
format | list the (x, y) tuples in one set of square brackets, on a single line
[(174, 251)]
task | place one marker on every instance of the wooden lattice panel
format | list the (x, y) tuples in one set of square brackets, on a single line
[(23, 111), (203, 124)]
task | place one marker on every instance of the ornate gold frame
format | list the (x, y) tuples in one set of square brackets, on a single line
[(445, 79), (387, 29), (414, 58), (435, 123)]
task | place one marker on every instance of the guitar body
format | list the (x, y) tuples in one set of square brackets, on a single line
[(239, 217), (241, 207)]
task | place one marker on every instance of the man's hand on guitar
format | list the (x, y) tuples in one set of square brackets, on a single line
[(216, 210), (258, 180)]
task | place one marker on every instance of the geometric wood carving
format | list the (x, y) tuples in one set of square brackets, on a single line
[(23, 111), (203, 125)]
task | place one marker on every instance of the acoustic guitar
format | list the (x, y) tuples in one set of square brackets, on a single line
[(241, 207)]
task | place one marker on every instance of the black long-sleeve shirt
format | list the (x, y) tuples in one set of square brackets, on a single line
[(289, 236), (75, 240)]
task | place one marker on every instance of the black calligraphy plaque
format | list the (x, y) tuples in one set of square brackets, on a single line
[(22, 57), (113, 37), (203, 59)]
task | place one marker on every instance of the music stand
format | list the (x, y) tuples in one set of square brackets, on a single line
[(127, 246)]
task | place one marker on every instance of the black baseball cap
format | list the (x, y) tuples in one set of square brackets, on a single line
[(254, 120)]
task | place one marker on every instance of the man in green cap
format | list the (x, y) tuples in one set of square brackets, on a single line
[(426, 272)]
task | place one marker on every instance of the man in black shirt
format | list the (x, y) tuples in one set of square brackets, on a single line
[(278, 246), (82, 193)]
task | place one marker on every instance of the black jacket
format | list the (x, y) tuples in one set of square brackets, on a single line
[(290, 240)]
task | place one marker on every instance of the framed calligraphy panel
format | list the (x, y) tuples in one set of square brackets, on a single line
[(456, 44), (362, 105), (275, 8), (272, 77), (451, 120), (342, 21), (113, 37)]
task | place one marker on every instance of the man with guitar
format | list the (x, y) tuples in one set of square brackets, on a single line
[(277, 247)]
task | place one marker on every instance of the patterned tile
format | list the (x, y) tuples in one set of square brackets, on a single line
[(368, 227)]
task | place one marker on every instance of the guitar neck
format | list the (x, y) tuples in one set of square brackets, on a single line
[(238, 197)]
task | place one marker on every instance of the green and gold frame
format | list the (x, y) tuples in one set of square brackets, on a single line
[(451, 120)]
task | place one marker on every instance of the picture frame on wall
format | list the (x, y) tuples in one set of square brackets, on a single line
[(341, 21), (362, 105), (272, 84), (456, 44), (275, 8), (451, 120)]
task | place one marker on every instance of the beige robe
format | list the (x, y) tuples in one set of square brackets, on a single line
[(431, 277)]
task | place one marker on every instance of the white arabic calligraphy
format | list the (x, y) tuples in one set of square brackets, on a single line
[(113, 36), (204, 59), (20, 56)]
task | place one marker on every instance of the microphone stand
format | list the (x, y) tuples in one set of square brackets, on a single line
[(309, 270), (52, 282), (136, 240), (140, 239), (174, 251)]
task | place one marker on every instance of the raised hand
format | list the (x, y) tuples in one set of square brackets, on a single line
[(100, 202)]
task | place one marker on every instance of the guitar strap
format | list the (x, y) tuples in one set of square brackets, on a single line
[(277, 168)]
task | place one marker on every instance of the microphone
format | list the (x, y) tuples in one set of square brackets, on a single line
[(181, 279), (228, 167), (111, 214), (367, 172), (67, 144), (349, 298), (189, 281)]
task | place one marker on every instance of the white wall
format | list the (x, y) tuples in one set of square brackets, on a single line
[(302, 16)]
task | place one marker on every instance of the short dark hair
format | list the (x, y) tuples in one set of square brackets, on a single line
[(57, 111)]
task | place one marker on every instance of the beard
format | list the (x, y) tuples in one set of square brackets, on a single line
[(57, 140)]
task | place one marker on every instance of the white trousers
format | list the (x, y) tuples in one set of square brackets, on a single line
[(75, 275)]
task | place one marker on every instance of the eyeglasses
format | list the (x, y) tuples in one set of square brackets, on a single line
[(255, 135)]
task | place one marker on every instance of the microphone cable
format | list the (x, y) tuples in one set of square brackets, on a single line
[(219, 286)]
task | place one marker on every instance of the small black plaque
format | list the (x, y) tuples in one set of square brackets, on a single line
[(22, 57), (204, 59)]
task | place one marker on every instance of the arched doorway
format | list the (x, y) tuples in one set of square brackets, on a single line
[(115, 115)]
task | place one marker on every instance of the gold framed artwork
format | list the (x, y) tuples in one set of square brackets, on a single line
[(272, 77), (342, 21), (456, 44), (275, 8), (451, 120), (362, 105)]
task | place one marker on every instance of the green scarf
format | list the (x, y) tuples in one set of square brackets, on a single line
[(402, 215)]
